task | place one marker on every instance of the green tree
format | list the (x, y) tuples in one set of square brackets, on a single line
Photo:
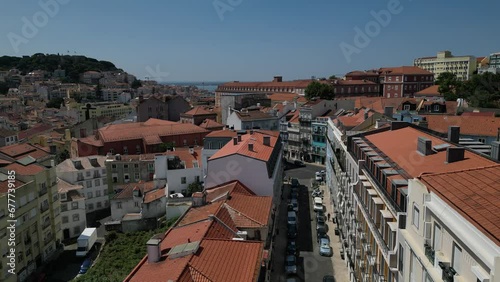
[(62, 156), (320, 90), (136, 84), (163, 147), (55, 103), (448, 85), (194, 187), (332, 77)]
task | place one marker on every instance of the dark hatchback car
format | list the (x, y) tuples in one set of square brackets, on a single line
[(292, 231), (299, 163), (85, 266)]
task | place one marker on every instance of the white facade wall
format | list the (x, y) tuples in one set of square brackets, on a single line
[(95, 190), (234, 120), (444, 229), (205, 155), (251, 172), (74, 218), (175, 179), (120, 207)]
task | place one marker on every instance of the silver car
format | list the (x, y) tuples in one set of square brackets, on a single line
[(291, 264), (324, 247)]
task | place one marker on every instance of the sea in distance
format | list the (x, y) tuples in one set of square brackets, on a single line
[(209, 86)]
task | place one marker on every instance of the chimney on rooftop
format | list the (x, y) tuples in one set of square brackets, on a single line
[(365, 115), (154, 253), (267, 140), (395, 125), (356, 111), (278, 79), (454, 154), (388, 111), (495, 150), (424, 146), (250, 147), (235, 141), (454, 134)]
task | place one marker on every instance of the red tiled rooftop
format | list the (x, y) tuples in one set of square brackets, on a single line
[(469, 125), (478, 114), (401, 147), (259, 211), (222, 133), (260, 151), (26, 134), (196, 214), (404, 70), (474, 193), (429, 91), (6, 185), (154, 195), (127, 189), (31, 169), (210, 123), (292, 84), (18, 151), (198, 111), (188, 158), (138, 130), (233, 187), (354, 120), (229, 260), (280, 97)]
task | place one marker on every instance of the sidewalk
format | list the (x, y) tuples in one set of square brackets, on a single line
[(340, 270)]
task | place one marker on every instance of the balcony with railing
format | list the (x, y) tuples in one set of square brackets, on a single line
[(44, 207), (429, 252), (43, 190), (45, 224)]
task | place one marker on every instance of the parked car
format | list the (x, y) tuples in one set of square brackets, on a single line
[(320, 219), (291, 264), (292, 231), (292, 279), (292, 218), (322, 225), (295, 205), (317, 193), (290, 207), (324, 247), (291, 247), (299, 163), (295, 182), (321, 233), (319, 178), (318, 204), (85, 266), (320, 213)]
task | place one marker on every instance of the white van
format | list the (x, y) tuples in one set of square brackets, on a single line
[(292, 217)]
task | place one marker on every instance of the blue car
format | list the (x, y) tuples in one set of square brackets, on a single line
[(85, 266)]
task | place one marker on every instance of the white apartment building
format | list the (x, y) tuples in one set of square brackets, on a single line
[(452, 228), (90, 173), (368, 175), (178, 169), (73, 216), (254, 159), (462, 66)]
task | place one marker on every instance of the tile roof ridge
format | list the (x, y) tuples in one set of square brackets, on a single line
[(243, 214), (191, 268), (425, 174)]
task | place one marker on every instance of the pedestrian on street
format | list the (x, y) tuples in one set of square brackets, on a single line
[(328, 216)]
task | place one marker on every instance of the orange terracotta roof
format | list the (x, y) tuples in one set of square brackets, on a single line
[(198, 111), (26, 134), (6, 185), (32, 169), (220, 191), (64, 187), (229, 260), (169, 269), (401, 146), (222, 133), (184, 155), (280, 97), (196, 214), (260, 151), (429, 91), (154, 195), (478, 114), (210, 123), (354, 120), (469, 125), (19, 151), (293, 84), (295, 117), (138, 130), (404, 70), (259, 211), (127, 189), (363, 73), (474, 193)]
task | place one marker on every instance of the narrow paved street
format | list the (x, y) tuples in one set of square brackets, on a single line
[(311, 266)]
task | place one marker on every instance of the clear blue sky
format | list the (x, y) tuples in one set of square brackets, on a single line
[(255, 40)]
